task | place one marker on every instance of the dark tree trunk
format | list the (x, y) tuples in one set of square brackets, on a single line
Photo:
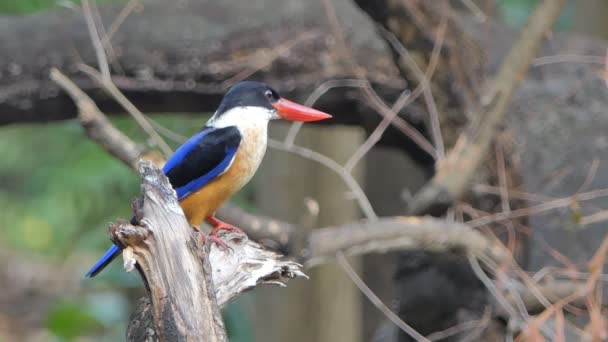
[(160, 69)]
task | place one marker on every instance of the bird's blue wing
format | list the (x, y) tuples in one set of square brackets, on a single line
[(203, 157), (199, 160)]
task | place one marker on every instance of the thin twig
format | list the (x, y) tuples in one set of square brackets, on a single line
[(595, 165), (526, 196), (139, 117), (102, 59), (374, 100), (422, 79), (96, 124), (377, 302), (489, 284), (331, 164), (464, 326), (477, 12), (568, 58), (408, 130), (268, 58), (403, 100), (109, 49), (315, 96), (539, 208), (455, 172), (594, 218), (120, 18)]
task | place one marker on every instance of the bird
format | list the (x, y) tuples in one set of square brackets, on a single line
[(215, 163)]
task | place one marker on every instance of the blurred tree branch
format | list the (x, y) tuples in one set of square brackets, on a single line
[(163, 72), (453, 174), (413, 24)]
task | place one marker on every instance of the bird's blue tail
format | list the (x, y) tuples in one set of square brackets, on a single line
[(104, 261)]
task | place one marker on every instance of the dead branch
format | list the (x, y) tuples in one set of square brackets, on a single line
[(172, 263), (270, 232), (397, 233), (412, 24), (109, 86), (184, 279), (455, 172), (97, 126), (554, 291)]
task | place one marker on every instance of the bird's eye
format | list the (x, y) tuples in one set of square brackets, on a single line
[(269, 95)]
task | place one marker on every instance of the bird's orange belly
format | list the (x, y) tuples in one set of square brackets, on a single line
[(204, 202)]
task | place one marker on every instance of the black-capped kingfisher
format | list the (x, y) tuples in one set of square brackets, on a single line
[(219, 160)]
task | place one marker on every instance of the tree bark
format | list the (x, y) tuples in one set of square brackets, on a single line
[(184, 307), (165, 68), (184, 293)]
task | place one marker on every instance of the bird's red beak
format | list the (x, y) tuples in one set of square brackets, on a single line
[(296, 112)]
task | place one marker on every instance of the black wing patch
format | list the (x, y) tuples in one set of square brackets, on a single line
[(202, 158)]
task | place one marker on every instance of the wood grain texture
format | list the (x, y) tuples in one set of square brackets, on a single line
[(180, 273)]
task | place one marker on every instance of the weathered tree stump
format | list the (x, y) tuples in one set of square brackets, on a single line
[(187, 282)]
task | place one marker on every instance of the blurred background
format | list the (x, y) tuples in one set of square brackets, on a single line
[(59, 190)]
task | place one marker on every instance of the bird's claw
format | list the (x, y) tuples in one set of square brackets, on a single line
[(225, 226), (217, 240)]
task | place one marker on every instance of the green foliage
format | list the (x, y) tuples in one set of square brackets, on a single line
[(29, 6), (58, 192), (56, 185), (516, 12), (71, 319), (238, 327), (13, 7), (104, 313)]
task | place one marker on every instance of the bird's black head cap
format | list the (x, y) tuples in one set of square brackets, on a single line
[(248, 94)]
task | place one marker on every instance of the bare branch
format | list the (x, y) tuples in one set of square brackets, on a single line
[(455, 172), (102, 59), (269, 57), (98, 127), (315, 96), (377, 302), (538, 208), (184, 306), (362, 200), (183, 278), (139, 117), (424, 81), (398, 233), (270, 232), (120, 18), (477, 12), (403, 100), (554, 291)]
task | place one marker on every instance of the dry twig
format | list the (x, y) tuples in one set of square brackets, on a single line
[(456, 171)]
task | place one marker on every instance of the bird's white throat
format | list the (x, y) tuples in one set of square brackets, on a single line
[(252, 123), (243, 117)]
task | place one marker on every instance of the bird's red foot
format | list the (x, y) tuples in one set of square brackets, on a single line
[(221, 225), (216, 240)]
